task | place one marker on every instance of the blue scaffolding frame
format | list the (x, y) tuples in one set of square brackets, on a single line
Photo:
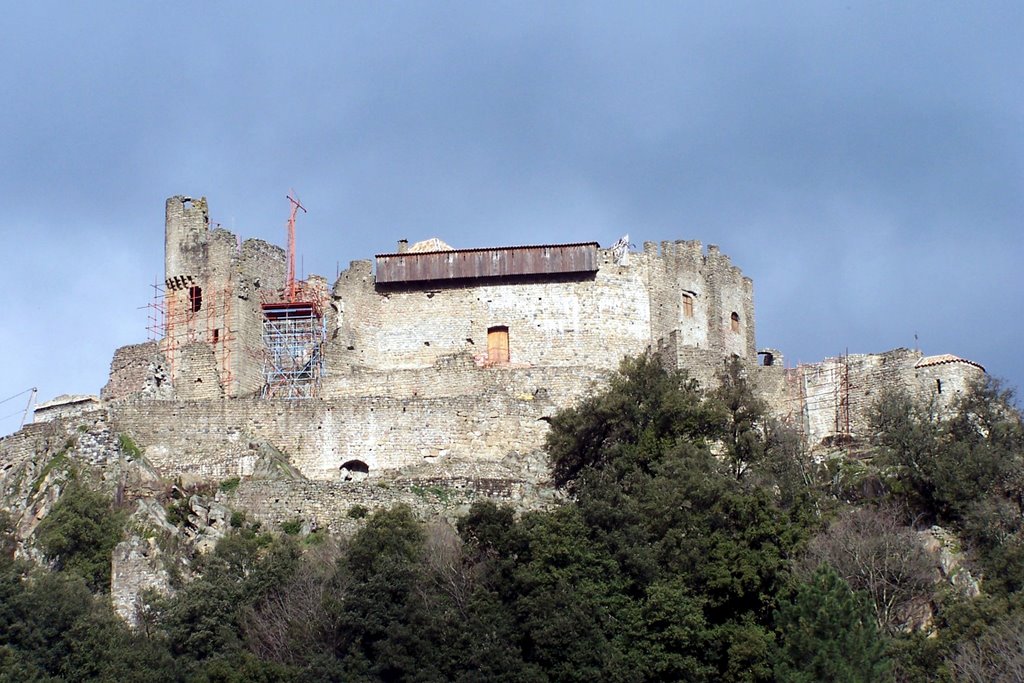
[(293, 336)]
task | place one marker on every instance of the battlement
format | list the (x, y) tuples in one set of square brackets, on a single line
[(444, 355)]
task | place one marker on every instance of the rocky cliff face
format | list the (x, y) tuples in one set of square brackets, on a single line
[(174, 517)]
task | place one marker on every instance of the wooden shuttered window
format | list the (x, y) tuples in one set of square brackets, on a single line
[(687, 306), (497, 344)]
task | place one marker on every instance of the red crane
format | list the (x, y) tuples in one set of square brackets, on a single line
[(290, 287)]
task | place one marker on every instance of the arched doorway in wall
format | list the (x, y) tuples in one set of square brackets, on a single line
[(354, 470)]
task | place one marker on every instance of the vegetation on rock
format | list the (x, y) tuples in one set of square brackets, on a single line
[(698, 542)]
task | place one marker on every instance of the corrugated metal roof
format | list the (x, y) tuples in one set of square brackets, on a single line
[(528, 246), (490, 262)]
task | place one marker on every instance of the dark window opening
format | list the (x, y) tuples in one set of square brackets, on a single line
[(195, 298), (938, 385), (687, 306), (216, 335), (497, 344), (735, 321), (767, 359), (354, 470)]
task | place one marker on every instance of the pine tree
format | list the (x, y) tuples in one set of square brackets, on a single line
[(828, 633)]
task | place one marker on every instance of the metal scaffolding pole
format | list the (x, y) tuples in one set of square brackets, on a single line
[(293, 337)]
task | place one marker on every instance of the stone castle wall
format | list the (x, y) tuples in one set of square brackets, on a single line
[(836, 395), (217, 439), (213, 287), (139, 370), (587, 322), (408, 382)]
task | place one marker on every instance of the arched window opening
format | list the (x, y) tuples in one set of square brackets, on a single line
[(497, 344), (355, 470), (195, 299), (687, 305), (735, 321)]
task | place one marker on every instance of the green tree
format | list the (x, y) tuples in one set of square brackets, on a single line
[(745, 419), (204, 620), (374, 611), (828, 633), (951, 464), (79, 534), (654, 500), (641, 416), (963, 468)]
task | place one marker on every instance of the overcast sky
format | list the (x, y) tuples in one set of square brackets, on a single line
[(863, 162)]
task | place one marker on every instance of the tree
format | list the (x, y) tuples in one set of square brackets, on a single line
[(666, 512), (640, 417), (745, 419), (950, 464), (964, 469), (204, 620), (828, 633), (872, 552), (79, 534), (996, 655)]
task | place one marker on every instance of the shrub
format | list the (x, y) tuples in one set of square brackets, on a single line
[(80, 533), (128, 446)]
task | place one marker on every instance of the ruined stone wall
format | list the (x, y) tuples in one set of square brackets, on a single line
[(945, 382), (622, 310), (550, 323), (717, 290), (196, 372), (65, 407), (217, 439), (186, 224), (843, 389), (327, 505), (260, 268), (24, 444), (138, 370), (461, 376), (674, 271), (213, 296)]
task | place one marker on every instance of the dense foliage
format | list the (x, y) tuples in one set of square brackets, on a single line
[(698, 543)]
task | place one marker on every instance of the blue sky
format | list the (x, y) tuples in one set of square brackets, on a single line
[(862, 162)]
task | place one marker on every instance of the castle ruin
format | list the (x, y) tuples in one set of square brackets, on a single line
[(433, 363)]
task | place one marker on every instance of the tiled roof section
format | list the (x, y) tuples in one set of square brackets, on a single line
[(944, 358)]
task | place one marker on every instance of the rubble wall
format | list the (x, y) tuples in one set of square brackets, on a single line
[(216, 439)]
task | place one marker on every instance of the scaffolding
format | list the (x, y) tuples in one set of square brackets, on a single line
[(205, 317), (293, 338), (843, 400), (293, 332)]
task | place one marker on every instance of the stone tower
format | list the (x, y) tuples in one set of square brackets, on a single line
[(212, 300)]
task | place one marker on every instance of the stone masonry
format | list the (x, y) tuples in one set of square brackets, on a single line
[(410, 382)]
